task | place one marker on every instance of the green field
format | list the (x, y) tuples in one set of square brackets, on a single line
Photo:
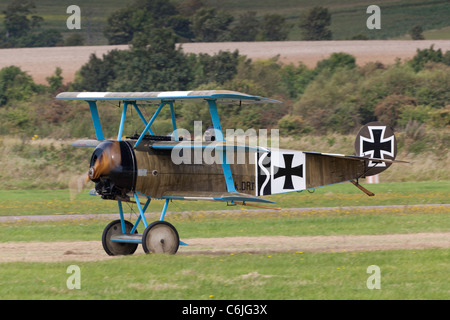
[(405, 274), (248, 223), (35, 202)]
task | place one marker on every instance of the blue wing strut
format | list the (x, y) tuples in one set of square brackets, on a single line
[(96, 120), (219, 137)]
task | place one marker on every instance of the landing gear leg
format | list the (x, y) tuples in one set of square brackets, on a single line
[(120, 237)]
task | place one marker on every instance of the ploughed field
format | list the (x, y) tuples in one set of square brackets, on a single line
[(41, 62)]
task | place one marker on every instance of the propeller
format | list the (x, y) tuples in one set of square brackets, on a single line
[(76, 185)]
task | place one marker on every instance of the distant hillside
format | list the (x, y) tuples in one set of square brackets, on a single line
[(348, 16)]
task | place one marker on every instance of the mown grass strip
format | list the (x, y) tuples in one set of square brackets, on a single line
[(204, 224), (405, 274), (35, 202)]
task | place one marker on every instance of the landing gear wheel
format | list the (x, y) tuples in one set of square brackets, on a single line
[(160, 237), (117, 248)]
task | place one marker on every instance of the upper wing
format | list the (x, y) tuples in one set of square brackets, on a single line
[(218, 95)]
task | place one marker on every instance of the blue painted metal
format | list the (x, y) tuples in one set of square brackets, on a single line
[(122, 220), (183, 243), (227, 198), (142, 117), (219, 137), (150, 123), (163, 213), (242, 198), (174, 122), (135, 225), (142, 194), (126, 241), (138, 220), (215, 119), (122, 120), (96, 120), (146, 204), (141, 211)]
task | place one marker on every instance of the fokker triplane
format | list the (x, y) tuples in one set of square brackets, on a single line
[(147, 166)]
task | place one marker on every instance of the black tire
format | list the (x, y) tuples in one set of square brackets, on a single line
[(117, 248), (160, 237)]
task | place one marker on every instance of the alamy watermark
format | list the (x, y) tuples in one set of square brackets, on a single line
[(374, 21), (374, 280), (213, 147), (74, 20), (74, 280)]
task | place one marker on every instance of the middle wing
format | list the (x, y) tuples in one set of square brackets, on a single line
[(218, 145)]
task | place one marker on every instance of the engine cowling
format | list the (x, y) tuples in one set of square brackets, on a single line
[(113, 169)]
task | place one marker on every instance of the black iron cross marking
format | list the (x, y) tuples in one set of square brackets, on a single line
[(376, 145), (288, 171)]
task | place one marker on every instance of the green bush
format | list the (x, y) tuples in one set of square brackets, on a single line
[(440, 118), (427, 55), (335, 61), (330, 102), (293, 125), (294, 80), (431, 85), (16, 84), (389, 109), (420, 114)]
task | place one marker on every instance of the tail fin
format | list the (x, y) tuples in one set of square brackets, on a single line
[(376, 140)]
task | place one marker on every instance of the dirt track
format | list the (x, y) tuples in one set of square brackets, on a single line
[(93, 250), (41, 62)]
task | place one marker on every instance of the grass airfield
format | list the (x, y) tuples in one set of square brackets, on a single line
[(205, 274), (405, 274)]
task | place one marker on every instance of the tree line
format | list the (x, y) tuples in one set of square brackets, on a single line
[(190, 20), (22, 27)]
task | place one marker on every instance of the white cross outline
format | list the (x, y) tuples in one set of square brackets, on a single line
[(370, 153)]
